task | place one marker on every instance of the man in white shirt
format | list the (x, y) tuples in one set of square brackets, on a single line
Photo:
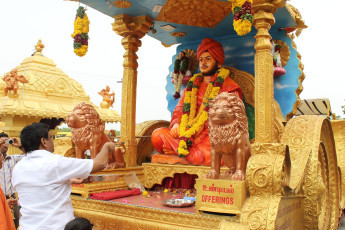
[(42, 179)]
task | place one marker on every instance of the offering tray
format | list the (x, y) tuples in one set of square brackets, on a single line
[(104, 177), (178, 203)]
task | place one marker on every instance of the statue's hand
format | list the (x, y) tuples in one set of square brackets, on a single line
[(175, 131)]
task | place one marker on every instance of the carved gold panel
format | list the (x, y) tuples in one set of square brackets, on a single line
[(122, 4), (268, 169), (220, 196), (314, 170), (86, 189), (260, 212), (205, 13), (111, 216), (338, 127), (178, 34), (155, 173)]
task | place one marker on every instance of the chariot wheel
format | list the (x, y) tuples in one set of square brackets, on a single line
[(314, 170)]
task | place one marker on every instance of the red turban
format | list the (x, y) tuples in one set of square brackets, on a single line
[(214, 48)]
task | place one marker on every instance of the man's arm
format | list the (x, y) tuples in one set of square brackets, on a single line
[(101, 160)]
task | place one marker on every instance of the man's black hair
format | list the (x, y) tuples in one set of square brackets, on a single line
[(2, 134), (31, 136), (79, 224)]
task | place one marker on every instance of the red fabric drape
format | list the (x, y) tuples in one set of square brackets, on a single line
[(180, 180)]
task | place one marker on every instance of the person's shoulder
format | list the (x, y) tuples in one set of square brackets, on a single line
[(19, 165)]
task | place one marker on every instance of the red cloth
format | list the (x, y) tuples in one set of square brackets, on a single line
[(199, 153), (114, 194), (214, 48), (180, 180)]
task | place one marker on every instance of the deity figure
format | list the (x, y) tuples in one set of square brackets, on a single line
[(187, 141), (278, 67), (108, 98), (11, 79)]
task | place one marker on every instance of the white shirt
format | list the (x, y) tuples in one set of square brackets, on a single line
[(42, 180)]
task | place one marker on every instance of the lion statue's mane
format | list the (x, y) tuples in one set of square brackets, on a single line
[(229, 137), (94, 124), (228, 133)]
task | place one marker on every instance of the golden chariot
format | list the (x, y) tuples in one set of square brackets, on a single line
[(294, 175)]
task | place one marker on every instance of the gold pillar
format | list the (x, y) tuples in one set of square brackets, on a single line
[(264, 96), (132, 29)]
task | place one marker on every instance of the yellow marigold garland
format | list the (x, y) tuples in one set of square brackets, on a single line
[(243, 16), (190, 124), (81, 30)]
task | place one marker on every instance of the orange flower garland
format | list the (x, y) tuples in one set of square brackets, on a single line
[(190, 122)]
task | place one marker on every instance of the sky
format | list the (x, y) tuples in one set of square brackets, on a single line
[(22, 23)]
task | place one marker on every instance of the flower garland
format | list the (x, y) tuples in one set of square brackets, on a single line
[(180, 68), (191, 122), (80, 35), (243, 16)]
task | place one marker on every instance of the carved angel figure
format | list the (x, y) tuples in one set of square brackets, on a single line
[(11, 79), (107, 96)]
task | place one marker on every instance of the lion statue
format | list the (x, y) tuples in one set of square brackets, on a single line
[(229, 137), (88, 133)]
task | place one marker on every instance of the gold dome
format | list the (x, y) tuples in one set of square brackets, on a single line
[(50, 93)]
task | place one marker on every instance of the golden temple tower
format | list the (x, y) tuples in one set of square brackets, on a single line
[(48, 96)]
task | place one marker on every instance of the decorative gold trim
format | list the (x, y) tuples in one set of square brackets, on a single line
[(264, 173), (154, 173), (296, 15), (132, 29), (192, 13), (122, 4), (165, 45), (144, 131), (260, 212), (110, 216), (178, 34), (314, 170), (300, 80), (338, 127), (86, 189)]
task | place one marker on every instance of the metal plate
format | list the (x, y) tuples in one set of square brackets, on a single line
[(178, 203), (104, 177)]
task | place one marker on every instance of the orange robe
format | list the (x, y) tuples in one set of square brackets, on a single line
[(6, 221), (199, 152)]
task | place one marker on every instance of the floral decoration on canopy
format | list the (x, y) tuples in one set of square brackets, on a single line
[(243, 16), (81, 30)]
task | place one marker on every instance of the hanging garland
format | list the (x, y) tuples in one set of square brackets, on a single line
[(191, 123), (180, 68), (243, 16), (81, 30)]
